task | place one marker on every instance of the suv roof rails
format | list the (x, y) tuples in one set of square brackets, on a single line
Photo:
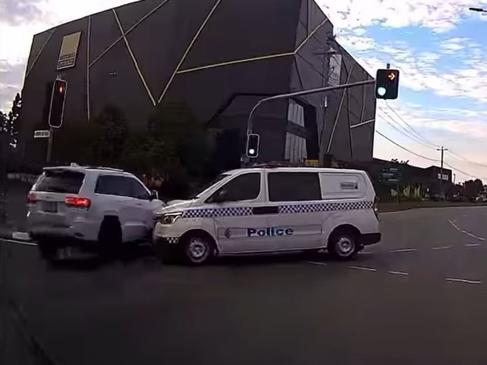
[(104, 168)]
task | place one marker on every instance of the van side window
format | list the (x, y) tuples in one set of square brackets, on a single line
[(243, 187), (294, 186)]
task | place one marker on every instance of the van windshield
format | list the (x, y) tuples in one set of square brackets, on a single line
[(209, 185)]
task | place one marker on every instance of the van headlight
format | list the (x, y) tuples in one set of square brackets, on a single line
[(170, 218)]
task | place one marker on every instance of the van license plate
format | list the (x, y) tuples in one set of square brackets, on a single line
[(50, 207)]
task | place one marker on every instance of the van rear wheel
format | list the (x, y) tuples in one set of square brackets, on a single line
[(343, 245)]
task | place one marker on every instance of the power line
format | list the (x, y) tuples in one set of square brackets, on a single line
[(424, 157), (403, 130), (404, 148), (413, 130), (466, 160)]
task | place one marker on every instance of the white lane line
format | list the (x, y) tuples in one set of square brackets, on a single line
[(317, 263), (18, 242), (464, 281), (398, 273), (473, 236), (405, 250), (454, 225), (366, 253), (466, 232), (473, 245), (362, 268), (441, 248)]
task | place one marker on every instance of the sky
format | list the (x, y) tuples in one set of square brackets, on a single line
[(438, 45)]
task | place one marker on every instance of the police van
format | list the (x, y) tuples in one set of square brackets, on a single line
[(268, 210)]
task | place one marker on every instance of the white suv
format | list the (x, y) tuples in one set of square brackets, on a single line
[(74, 205)]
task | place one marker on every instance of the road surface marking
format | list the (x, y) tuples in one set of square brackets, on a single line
[(404, 250), (465, 281), (366, 253), (398, 273), (317, 263), (466, 232), (362, 268), (473, 245), (18, 242), (442, 248)]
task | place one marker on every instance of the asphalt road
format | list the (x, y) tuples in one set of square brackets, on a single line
[(418, 297)]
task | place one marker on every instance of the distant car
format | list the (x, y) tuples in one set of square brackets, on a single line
[(262, 210), (73, 206)]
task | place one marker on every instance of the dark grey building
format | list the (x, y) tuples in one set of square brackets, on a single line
[(219, 57)]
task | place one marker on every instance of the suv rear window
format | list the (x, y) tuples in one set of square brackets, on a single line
[(60, 181)]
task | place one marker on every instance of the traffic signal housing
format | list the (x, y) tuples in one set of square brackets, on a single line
[(387, 84), (58, 99), (253, 141)]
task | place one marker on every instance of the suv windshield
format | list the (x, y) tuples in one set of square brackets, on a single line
[(60, 181)]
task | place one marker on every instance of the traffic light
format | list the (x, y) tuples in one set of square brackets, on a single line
[(58, 98), (253, 141), (387, 84)]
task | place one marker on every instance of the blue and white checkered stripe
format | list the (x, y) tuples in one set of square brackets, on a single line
[(324, 207), (218, 212), (283, 209)]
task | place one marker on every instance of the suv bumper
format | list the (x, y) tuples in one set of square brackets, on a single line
[(370, 238)]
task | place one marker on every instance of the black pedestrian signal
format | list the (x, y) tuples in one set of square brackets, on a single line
[(387, 84), (253, 141), (58, 99)]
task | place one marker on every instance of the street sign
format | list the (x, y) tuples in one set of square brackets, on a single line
[(391, 175), (42, 133)]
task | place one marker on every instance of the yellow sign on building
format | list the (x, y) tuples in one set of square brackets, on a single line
[(69, 50)]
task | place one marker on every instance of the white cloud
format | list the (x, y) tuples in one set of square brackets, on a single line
[(438, 15), (454, 45)]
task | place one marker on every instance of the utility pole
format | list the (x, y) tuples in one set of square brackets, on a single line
[(442, 150)]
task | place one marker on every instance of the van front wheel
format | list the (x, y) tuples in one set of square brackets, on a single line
[(343, 245), (198, 249)]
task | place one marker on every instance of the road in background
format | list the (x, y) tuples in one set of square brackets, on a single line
[(419, 297)]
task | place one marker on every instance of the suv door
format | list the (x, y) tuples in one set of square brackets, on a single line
[(301, 209), (115, 195), (239, 223)]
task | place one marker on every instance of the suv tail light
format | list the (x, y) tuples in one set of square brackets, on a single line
[(77, 202), (31, 198)]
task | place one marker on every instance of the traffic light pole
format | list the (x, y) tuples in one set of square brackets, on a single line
[(300, 93)]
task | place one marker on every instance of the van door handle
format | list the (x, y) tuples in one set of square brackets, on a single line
[(265, 210)]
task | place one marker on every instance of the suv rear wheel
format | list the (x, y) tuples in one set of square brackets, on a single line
[(47, 250), (110, 236)]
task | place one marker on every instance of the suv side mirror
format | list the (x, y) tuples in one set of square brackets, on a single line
[(154, 195)]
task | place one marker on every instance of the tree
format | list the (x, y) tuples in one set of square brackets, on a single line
[(110, 136), (176, 147), (9, 122), (473, 188)]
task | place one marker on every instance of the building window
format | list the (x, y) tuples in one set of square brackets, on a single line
[(295, 113), (295, 150)]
